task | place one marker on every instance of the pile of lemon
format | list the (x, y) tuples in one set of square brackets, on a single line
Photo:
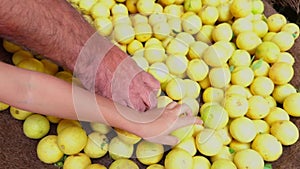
[(225, 54)]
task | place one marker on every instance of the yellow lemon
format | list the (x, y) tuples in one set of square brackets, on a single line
[(240, 58), (138, 19), (207, 104), (291, 104), (205, 34), (134, 46), (192, 88), (191, 23), (149, 153), (178, 158), (188, 144), (72, 140), (48, 150), (282, 91), (286, 57), (95, 166), (155, 166), (160, 71), (216, 55), (53, 119), (242, 129), (236, 90), (127, 137), (267, 146), (20, 55), (242, 76), (65, 123), (175, 89), (175, 26), (185, 37), (97, 145), (241, 25), (240, 8), (268, 51), (260, 67), (222, 32), (284, 40), (173, 11), (123, 163), (248, 159), (212, 94), (177, 47), (123, 33), (257, 7), (235, 105), (49, 67), (145, 7), (19, 114), (248, 41), (211, 2), (77, 161), (197, 69), (261, 126), (119, 9), (285, 131), (205, 83), (276, 22), (291, 28), (201, 162), (281, 73), (192, 103), (214, 117), (192, 5), (276, 114), (141, 62), (224, 12), (163, 101), (271, 101), (177, 64), (100, 127), (219, 77), (103, 25), (118, 149), (209, 15), (238, 146), (262, 86), (196, 49), (131, 6), (269, 36), (208, 142), (3, 106), (86, 5), (99, 10), (161, 30), (156, 17), (183, 132), (225, 135), (143, 32), (31, 64), (258, 107), (225, 154), (260, 27), (222, 163), (36, 126), (10, 46)]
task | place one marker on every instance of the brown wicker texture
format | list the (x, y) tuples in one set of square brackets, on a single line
[(19, 152)]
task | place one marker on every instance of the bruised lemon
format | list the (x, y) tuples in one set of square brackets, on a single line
[(48, 150), (36, 126), (19, 114)]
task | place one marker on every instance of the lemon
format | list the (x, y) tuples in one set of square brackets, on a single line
[(163, 101), (141, 62), (159, 71), (72, 140), (10, 46), (260, 67), (86, 5), (77, 161), (188, 144), (97, 145), (238, 146), (149, 153), (192, 5), (248, 159), (267, 146), (205, 34), (225, 135), (214, 117), (216, 55), (222, 32), (20, 55), (208, 142), (185, 37), (88, 18), (280, 92), (224, 154), (235, 105), (281, 73), (177, 159), (175, 26), (138, 19), (95, 166), (260, 27), (143, 32), (276, 114), (201, 162), (123, 33), (225, 164), (284, 40), (269, 36), (161, 30), (119, 9), (192, 103), (65, 123), (196, 49), (206, 104), (224, 12), (242, 75), (271, 101), (205, 83), (131, 6), (236, 90), (240, 58), (209, 15), (197, 69), (177, 46), (212, 94), (291, 28), (276, 22), (286, 57), (155, 166), (48, 150), (156, 17), (153, 42), (49, 66), (127, 137), (19, 114), (53, 119), (291, 104), (240, 8), (258, 107), (103, 25), (36, 126), (145, 7), (268, 51), (192, 88), (118, 149), (3, 106), (211, 2), (262, 86), (261, 126), (285, 131), (32, 64), (191, 23), (134, 46), (248, 41), (154, 54), (100, 10), (177, 64), (63, 75), (242, 129), (257, 7), (124, 164), (183, 132), (219, 77), (173, 11)]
